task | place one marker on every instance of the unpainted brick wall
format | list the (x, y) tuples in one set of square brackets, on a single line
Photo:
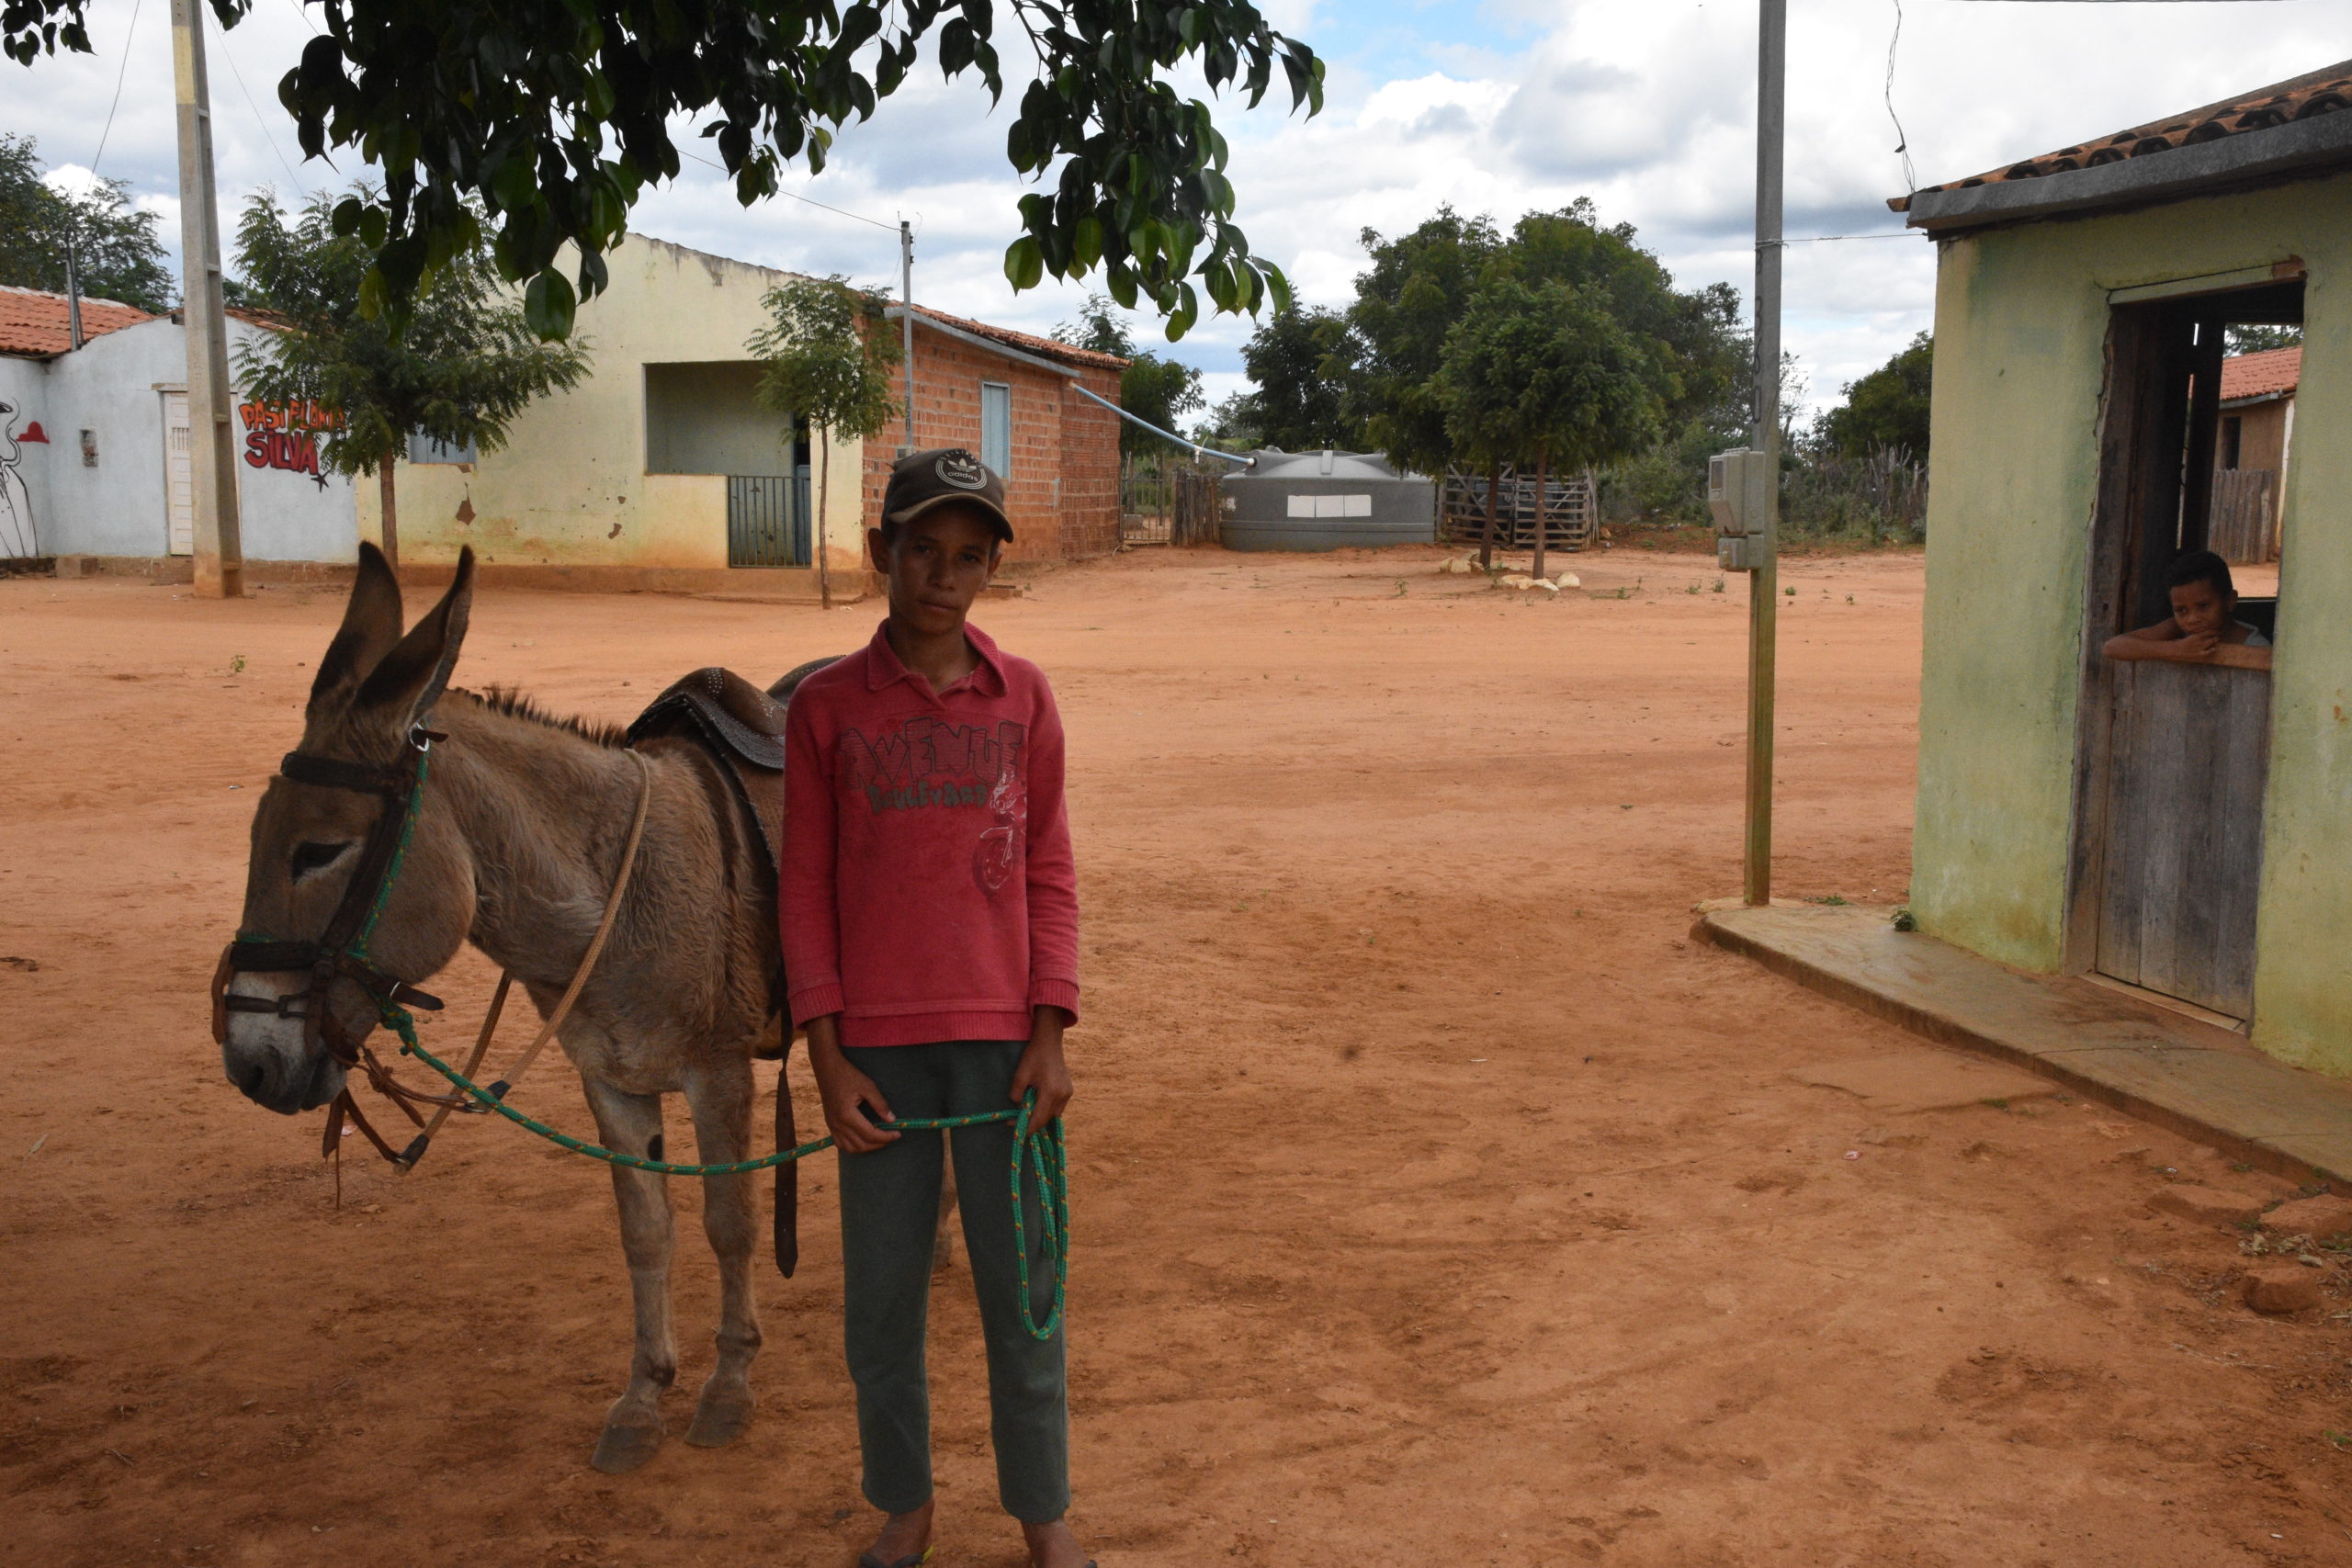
[(1063, 490)]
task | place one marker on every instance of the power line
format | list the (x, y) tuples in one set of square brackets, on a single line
[(229, 55), (1902, 141), (812, 201), (120, 72)]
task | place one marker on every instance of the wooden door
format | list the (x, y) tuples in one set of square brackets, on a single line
[(179, 478), (2188, 748)]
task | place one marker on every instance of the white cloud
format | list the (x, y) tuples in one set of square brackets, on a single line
[(1647, 108)]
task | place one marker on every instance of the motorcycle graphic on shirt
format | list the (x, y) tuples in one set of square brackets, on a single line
[(928, 764)]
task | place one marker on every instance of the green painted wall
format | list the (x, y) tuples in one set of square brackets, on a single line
[(2021, 318)]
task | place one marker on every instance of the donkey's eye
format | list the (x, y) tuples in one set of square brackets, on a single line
[(311, 855)]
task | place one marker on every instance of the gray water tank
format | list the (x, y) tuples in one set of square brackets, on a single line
[(1326, 501)]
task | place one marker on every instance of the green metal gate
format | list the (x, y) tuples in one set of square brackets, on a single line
[(767, 520)]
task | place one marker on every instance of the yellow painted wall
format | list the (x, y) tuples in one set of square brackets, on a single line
[(2021, 320), (570, 488)]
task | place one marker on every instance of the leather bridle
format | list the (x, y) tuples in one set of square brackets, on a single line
[(340, 951)]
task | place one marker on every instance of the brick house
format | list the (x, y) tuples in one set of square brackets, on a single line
[(1019, 402)]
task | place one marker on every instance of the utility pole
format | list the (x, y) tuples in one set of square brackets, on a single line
[(73, 338), (907, 324), (1763, 582), (220, 552)]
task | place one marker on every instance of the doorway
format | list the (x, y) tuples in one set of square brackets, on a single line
[(179, 478), (2172, 758)]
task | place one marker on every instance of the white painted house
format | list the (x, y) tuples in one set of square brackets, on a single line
[(94, 443)]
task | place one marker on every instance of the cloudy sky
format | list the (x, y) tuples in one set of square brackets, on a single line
[(1645, 106)]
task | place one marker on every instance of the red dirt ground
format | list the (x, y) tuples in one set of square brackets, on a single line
[(1437, 1200)]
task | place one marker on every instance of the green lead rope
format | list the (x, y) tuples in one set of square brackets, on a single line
[(1037, 1152)]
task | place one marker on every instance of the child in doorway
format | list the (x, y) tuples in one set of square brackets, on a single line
[(2204, 618), (929, 917)]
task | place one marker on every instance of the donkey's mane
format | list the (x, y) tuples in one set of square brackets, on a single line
[(512, 703)]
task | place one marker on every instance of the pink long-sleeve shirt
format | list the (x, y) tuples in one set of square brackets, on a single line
[(928, 891)]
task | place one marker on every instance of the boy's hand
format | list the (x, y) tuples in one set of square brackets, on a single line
[(848, 1094), (2197, 646), (1043, 1068)]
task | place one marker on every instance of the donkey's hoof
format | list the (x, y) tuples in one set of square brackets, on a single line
[(623, 1448), (720, 1417)]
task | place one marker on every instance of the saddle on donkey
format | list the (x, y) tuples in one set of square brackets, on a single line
[(739, 730)]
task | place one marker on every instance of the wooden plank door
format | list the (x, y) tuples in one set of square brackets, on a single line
[(179, 478), (2188, 754)]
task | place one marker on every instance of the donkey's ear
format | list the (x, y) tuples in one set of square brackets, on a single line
[(371, 625), (410, 678)]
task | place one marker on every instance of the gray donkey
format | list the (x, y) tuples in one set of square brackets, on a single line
[(518, 838)]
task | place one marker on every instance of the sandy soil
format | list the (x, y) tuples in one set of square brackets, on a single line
[(1438, 1201)]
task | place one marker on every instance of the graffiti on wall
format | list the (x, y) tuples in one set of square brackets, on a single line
[(16, 535), (285, 435)]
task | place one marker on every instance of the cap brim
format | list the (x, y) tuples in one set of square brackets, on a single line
[(997, 519)]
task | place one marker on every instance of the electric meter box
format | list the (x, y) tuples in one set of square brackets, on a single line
[(1738, 498)]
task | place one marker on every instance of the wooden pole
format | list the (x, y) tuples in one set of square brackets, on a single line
[(212, 455), (1763, 583), (1543, 493), (1486, 540)]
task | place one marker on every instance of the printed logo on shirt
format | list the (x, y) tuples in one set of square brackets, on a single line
[(927, 764)]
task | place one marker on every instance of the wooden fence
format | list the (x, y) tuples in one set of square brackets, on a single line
[(2242, 524), (1170, 505), (1570, 513)]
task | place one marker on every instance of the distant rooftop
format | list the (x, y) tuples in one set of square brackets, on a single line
[(33, 322), (2263, 375)]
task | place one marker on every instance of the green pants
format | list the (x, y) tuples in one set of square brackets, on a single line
[(889, 1215)]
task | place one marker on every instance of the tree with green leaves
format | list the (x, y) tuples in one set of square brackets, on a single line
[(466, 363), (1886, 408), (1550, 372), (1304, 365), (825, 357), (548, 118), (1417, 287), (117, 255), (1158, 390)]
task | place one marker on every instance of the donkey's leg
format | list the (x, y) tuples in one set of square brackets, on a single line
[(631, 1123), (720, 1099)]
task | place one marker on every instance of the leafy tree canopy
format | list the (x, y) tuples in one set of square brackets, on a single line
[(117, 252), (1453, 323), (2249, 338), (1886, 408), (465, 368), (1417, 287), (826, 357), (1303, 363), (546, 119), (1160, 390), (1550, 374)]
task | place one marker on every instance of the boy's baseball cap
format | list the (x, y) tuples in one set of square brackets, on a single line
[(922, 480)]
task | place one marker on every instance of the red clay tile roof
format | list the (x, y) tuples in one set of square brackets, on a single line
[(1028, 342), (32, 320), (2320, 92), (2261, 375)]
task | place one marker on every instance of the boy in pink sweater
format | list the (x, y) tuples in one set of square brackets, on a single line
[(930, 919)]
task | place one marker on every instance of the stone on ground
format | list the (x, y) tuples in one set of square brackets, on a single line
[(2317, 1218), (2281, 1287)]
